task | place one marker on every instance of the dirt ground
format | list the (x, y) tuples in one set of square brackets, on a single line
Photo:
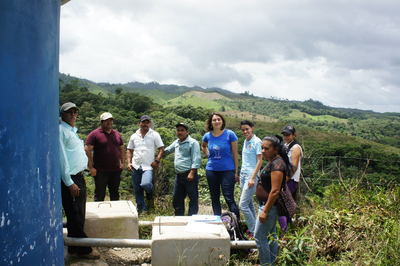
[(112, 256)]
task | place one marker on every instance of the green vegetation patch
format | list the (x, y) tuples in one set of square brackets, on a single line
[(328, 118), (191, 99), (347, 226)]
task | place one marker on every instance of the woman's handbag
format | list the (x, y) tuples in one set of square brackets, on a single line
[(285, 202), (261, 194)]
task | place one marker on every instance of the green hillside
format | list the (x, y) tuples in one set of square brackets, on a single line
[(206, 100), (381, 128)]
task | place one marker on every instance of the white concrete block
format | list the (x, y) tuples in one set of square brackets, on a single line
[(112, 219), (174, 245)]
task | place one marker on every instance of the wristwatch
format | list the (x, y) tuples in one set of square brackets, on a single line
[(157, 161)]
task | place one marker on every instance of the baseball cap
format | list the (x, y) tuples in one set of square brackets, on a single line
[(106, 116), (67, 106), (145, 117), (289, 129), (182, 125)]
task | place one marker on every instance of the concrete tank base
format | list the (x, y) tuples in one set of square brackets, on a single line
[(112, 219), (175, 241)]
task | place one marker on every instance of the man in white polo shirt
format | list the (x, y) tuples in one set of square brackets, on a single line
[(140, 156)]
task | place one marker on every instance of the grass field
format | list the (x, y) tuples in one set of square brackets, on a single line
[(249, 116), (198, 99), (297, 114), (97, 89)]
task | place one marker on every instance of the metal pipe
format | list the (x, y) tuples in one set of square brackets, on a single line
[(243, 244), (107, 242), (136, 243), (145, 223), (141, 223)]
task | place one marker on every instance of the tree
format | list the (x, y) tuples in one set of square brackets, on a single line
[(135, 102)]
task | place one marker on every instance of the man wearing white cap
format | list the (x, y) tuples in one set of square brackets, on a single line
[(108, 158)]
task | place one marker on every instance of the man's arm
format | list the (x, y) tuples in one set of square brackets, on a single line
[(129, 156), (196, 160), (170, 149), (88, 150), (122, 154), (65, 176), (157, 160)]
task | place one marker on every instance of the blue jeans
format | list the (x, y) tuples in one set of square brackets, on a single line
[(142, 181), (267, 249), (225, 180), (182, 188), (246, 204)]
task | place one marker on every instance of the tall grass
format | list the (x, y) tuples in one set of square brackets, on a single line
[(357, 227)]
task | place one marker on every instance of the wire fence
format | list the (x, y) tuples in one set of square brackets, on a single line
[(319, 172)]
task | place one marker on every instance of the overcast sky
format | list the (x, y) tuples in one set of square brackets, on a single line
[(342, 53)]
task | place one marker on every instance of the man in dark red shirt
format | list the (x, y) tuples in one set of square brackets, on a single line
[(108, 158)]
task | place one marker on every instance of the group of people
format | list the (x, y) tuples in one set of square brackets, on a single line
[(103, 153)]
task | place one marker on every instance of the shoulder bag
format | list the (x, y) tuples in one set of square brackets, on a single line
[(285, 202)]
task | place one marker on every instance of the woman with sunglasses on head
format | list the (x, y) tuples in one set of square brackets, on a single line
[(251, 165), (272, 179), (220, 146)]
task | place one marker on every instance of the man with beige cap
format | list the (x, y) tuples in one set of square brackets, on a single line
[(108, 159), (73, 161)]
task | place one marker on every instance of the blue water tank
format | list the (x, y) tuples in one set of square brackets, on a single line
[(30, 193)]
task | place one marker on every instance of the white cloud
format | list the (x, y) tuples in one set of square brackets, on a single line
[(342, 53)]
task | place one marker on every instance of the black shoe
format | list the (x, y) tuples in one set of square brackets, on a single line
[(149, 196), (72, 249)]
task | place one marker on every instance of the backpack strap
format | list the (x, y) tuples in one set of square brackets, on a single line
[(294, 142)]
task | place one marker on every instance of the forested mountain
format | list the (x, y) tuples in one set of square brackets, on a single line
[(379, 127)]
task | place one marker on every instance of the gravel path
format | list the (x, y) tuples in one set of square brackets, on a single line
[(113, 256)]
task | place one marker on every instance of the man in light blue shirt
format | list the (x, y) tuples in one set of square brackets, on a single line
[(187, 161), (73, 161)]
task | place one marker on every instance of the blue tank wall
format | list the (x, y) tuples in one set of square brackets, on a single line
[(30, 193)]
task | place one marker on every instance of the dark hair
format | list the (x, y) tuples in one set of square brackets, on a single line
[(246, 122), (277, 142), (209, 126)]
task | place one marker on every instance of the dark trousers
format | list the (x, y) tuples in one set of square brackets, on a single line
[(226, 181), (104, 179), (182, 188), (75, 212)]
